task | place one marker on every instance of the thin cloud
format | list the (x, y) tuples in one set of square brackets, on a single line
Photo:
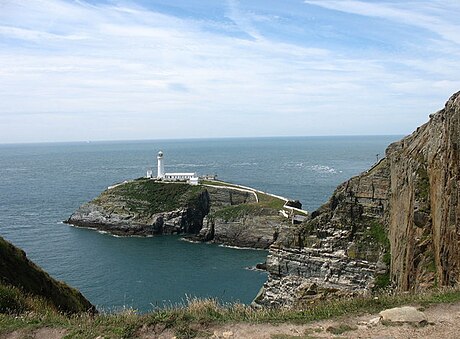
[(429, 15), (87, 62)]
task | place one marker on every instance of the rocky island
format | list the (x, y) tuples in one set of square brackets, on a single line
[(212, 211)]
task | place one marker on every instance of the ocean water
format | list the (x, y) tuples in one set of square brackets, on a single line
[(42, 184)]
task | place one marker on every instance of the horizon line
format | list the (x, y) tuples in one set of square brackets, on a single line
[(194, 139)]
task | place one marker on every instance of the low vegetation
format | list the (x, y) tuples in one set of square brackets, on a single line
[(17, 270), (265, 200), (194, 318), (372, 244), (235, 212), (266, 205), (269, 201), (149, 196)]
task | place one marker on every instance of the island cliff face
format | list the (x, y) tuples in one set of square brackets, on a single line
[(396, 224), (144, 207), (237, 219), (223, 214)]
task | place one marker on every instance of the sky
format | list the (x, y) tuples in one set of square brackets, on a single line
[(160, 69)]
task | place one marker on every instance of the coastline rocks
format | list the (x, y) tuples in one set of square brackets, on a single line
[(246, 231), (175, 222), (340, 248), (235, 219), (145, 207), (396, 224), (305, 275)]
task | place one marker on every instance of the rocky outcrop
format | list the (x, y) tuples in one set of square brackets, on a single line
[(18, 271), (424, 213), (236, 219), (338, 250), (243, 231), (145, 207), (223, 214), (396, 224)]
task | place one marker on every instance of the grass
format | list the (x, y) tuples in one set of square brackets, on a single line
[(267, 205), (149, 196), (17, 270), (423, 183), (197, 316), (235, 212), (265, 200), (268, 201)]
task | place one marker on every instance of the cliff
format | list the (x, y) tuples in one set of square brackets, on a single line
[(18, 271), (217, 212), (145, 207), (395, 225), (243, 219)]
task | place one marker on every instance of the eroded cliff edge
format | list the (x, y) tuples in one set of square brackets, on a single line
[(396, 224)]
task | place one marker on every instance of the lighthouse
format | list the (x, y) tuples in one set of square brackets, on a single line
[(191, 178), (161, 166)]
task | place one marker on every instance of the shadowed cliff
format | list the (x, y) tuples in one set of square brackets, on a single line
[(18, 271)]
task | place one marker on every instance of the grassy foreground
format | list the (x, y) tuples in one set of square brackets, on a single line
[(193, 319), (17, 270)]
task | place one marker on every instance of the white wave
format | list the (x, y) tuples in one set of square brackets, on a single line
[(241, 248), (15, 169), (253, 268), (190, 240), (243, 164), (322, 169)]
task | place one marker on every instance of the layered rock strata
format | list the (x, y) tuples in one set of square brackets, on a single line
[(236, 219), (144, 207), (396, 224)]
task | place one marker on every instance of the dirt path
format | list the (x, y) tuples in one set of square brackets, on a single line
[(443, 319), (443, 323)]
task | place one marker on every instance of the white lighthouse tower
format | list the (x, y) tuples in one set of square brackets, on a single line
[(161, 166)]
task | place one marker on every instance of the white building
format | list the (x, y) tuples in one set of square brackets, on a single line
[(161, 166), (191, 178)]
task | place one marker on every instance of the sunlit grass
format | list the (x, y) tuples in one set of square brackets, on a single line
[(196, 316)]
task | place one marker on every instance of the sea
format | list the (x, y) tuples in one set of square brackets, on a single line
[(42, 184)]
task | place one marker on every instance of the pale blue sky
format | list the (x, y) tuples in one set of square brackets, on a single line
[(118, 70)]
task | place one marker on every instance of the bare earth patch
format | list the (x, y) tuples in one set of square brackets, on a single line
[(42, 333), (443, 322)]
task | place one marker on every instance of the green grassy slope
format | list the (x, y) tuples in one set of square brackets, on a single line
[(148, 196), (196, 317), (18, 271)]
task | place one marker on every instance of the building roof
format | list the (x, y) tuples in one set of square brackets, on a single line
[(180, 174)]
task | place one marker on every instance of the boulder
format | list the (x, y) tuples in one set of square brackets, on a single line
[(406, 314)]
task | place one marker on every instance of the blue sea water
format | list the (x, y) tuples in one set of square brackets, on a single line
[(42, 184)]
